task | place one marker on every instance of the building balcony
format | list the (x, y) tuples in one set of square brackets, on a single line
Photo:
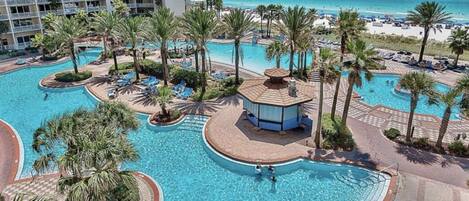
[(71, 1), (57, 12), (3, 17), (24, 45), (96, 8), (33, 27), (20, 2), (72, 10), (23, 15)]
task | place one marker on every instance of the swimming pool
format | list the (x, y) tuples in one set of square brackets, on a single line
[(254, 57), (177, 156), (380, 91)]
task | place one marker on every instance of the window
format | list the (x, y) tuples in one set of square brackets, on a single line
[(19, 9), (24, 39), (44, 7), (22, 22)]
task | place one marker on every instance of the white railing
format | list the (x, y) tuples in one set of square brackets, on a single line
[(132, 5), (3, 17), (145, 5), (42, 1), (97, 8), (57, 12), (27, 28), (23, 15), (16, 2), (68, 1), (70, 10), (24, 45)]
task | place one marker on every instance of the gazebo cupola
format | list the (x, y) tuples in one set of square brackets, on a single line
[(275, 103)]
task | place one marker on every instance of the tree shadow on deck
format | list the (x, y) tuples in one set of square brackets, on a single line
[(417, 156)]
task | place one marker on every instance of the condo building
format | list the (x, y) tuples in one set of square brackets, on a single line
[(22, 19)]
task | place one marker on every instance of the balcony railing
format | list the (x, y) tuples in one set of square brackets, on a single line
[(44, 1), (57, 12), (145, 5), (70, 1), (97, 8), (18, 2), (3, 17), (24, 45), (71, 10), (33, 27), (23, 15)]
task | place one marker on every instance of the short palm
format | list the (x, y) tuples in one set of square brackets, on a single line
[(92, 145), (237, 23), (104, 23), (418, 83), (458, 42), (275, 51), (65, 31)]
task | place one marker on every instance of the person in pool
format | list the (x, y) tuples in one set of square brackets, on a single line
[(46, 96), (258, 169), (273, 178)]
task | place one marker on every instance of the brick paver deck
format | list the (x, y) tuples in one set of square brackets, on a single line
[(9, 155)]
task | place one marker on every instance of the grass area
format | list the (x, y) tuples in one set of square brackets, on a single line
[(335, 135), (221, 89), (147, 66), (72, 77), (412, 44)]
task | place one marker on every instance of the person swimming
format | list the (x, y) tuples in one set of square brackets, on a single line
[(258, 169), (46, 96), (273, 178), (271, 169)]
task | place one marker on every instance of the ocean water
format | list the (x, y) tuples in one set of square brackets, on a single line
[(398, 8)]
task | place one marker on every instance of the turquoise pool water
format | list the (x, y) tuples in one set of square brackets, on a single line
[(177, 156), (380, 91), (254, 57)]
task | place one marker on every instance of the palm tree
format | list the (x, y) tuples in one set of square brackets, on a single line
[(463, 85), (450, 100), (261, 10), (163, 98), (93, 144), (274, 13), (348, 27), (104, 23), (428, 14), (276, 50), (164, 27), (364, 58), (218, 6), (200, 25), (418, 83), (293, 23), (327, 73), (304, 44), (130, 31), (237, 23), (458, 42), (65, 31)]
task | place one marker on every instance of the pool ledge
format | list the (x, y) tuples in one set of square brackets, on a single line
[(13, 148)]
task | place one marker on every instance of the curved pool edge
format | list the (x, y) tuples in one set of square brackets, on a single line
[(155, 186), (20, 149), (390, 186)]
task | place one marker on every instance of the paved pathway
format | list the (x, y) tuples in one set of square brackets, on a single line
[(9, 155)]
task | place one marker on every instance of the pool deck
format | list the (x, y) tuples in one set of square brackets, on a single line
[(9, 155)]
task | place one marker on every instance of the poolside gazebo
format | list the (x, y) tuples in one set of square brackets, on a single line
[(275, 103)]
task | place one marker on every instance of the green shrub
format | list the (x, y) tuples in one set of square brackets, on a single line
[(392, 133), (49, 58), (175, 114), (192, 78), (335, 135), (422, 143), (210, 93), (457, 148), (229, 91), (72, 77), (147, 66), (229, 82)]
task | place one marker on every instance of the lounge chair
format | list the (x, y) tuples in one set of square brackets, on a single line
[(440, 66), (186, 93), (126, 80), (179, 88), (219, 75), (111, 93), (20, 61), (149, 81), (150, 90)]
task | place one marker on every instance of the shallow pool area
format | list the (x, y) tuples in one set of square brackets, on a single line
[(381, 91), (177, 156)]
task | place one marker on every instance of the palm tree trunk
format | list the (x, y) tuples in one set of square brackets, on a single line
[(196, 57), (114, 57), (348, 98), (444, 126), (136, 66), (413, 105), (204, 80), (267, 28), (424, 43), (237, 61), (277, 61), (304, 63), (456, 60), (292, 54), (262, 30), (73, 57), (105, 53), (300, 75), (317, 137), (343, 41), (164, 61)]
